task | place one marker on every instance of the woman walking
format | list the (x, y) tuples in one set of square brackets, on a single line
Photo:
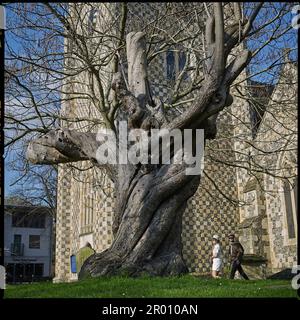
[(216, 257)]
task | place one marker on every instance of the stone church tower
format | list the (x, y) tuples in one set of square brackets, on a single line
[(85, 205)]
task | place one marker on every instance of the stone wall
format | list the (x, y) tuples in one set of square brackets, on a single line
[(263, 220)]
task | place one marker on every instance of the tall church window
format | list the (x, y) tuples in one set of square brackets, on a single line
[(296, 195), (175, 62), (87, 216), (171, 65), (290, 199)]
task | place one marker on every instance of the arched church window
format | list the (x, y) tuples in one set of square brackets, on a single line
[(290, 199)]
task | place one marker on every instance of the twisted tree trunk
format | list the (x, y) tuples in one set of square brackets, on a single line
[(148, 239), (151, 198)]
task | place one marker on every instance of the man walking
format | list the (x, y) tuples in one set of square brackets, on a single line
[(236, 256)]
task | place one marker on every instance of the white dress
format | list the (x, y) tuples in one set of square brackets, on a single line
[(217, 261)]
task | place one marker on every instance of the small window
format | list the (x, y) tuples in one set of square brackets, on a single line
[(17, 238), (73, 264), (34, 241), (38, 269), (17, 247)]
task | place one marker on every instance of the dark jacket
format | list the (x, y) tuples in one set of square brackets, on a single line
[(236, 251)]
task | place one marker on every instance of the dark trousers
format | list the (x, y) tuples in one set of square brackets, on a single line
[(236, 266)]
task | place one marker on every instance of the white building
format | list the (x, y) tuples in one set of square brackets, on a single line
[(28, 243)]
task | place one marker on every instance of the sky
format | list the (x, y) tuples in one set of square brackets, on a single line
[(11, 176)]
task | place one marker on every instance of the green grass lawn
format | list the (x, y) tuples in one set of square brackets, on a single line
[(185, 286)]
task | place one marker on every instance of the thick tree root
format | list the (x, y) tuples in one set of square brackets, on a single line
[(108, 264)]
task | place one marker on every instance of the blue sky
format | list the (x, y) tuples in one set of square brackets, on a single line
[(13, 42), (9, 176)]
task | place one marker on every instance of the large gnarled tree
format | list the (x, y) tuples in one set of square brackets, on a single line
[(150, 200)]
